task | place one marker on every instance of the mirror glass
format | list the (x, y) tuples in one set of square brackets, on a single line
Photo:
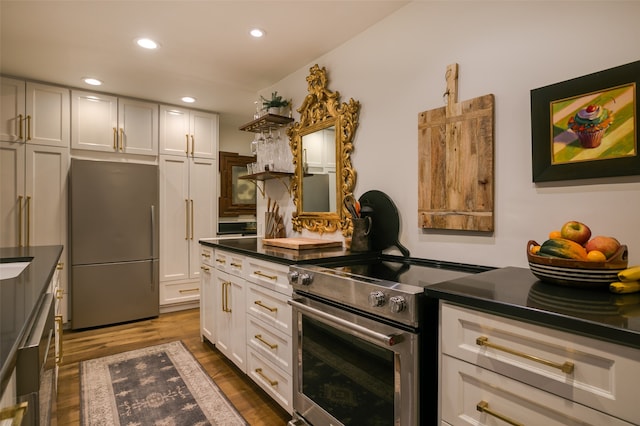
[(321, 143)]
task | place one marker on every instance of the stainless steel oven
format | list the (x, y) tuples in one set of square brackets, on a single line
[(358, 343)]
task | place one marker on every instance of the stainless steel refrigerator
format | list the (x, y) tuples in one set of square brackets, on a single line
[(113, 242)]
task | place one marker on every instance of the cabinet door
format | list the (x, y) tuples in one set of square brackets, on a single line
[(138, 131), (222, 316), (12, 110), (204, 134), (94, 121), (11, 193), (238, 339), (174, 131), (174, 207), (207, 303), (47, 109), (203, 207)]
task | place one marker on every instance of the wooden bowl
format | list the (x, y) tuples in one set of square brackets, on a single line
[(577, 273)]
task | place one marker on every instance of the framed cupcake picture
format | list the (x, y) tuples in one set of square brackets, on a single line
[(587, 127)]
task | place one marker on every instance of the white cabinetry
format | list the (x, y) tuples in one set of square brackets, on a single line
[(111, 124), (188, 133), (188, 212), (207, 295), (34, 113), (498, 368)]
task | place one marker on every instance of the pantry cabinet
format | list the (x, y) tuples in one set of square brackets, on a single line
[(34, 113), (188, 212), (188, 133), (111, 124)]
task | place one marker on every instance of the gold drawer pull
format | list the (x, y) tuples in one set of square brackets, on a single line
[(483, 407), (219, 260), (15, 412), (207, 255), (261, 274), (236, 265), (262, 305), (60, 266), (271, 382), (59, 331), (204, 268), (566, 367), (59, 294), (271, 345), (188, 290)]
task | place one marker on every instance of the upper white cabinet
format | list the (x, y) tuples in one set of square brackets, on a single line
[(111, 124), (34, 113), (188, 133)]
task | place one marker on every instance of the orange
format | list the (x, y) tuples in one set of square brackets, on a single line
[(596, 256), (535, 249), (555, 234)]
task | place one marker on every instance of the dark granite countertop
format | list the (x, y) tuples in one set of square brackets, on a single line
[(20, 296), (252, 246), (517, 293)]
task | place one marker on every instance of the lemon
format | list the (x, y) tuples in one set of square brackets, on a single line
[(535, 249), (596, 256)]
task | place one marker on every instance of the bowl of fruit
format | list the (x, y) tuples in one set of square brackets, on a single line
[(572, 256)]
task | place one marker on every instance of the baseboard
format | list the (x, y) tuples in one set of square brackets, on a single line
[(179, 307)]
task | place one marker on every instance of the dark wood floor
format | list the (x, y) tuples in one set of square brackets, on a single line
[(256, 407)]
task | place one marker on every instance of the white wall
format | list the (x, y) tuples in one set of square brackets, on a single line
[(396, 69)]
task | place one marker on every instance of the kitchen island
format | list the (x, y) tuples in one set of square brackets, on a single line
[(20, 296)]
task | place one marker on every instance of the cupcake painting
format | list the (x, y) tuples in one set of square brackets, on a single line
[(590, 124)]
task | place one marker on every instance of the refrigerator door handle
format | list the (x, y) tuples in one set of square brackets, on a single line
[(153, 231)]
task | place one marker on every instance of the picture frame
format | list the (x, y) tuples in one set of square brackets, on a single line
[(237, 196), (586, 127)]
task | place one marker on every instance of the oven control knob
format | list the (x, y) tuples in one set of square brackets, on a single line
[(293, 277), (397, 304), (305, 279), (376, 298)]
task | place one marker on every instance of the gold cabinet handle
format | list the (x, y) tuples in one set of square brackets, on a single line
[(15, 412), (207, 255), (222, 297), (271, 345), (236, 265), (262, 274), (187, 150), (20, 126), (193, 145), (27, 203), (271, 382), (188, 290), (220, 260), (566, 367), (121, 139), (483, 407), (59, 294), (28, 127), (186, 219), (225, 296), (58, 319), (115, 139), (19, 220), (262, 305), (60, 266), (204, 268), (191, 202)]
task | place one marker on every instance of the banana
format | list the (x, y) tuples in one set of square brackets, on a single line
[(630, 274), (624, 287)]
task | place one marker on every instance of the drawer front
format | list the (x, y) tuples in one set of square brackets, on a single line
[(472, 395), (269, 275), (179, 292), (585, 370), (270, 306), (271, 379), (272, 344), (206, 255), (230, 263)]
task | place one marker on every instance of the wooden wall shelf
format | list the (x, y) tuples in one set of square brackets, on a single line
[(266, 122)]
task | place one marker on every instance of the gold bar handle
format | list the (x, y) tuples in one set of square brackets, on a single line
[(236, 265), (121, 139), (60, 266), (271, 345), (15, 412), (262, 274), (19, 220), (219, 260), (566, 367), (187, 150), (60, 354), (204, 268), (207, 255), (20, 126), (222, 299), (483, 407), (193, 145), (186, 219), (262, 305), (115, 139), (188, 290), (28, 127), (59, 294), (27, 236), (271, 382), (191, 202)]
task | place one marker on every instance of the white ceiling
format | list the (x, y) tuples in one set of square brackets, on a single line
[(205, 52)]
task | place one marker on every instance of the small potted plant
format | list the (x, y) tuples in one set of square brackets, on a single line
[(275, 104)]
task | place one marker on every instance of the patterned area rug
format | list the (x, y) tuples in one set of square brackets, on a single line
[(158, 385)]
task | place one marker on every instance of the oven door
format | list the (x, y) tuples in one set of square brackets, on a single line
[(352, 370)]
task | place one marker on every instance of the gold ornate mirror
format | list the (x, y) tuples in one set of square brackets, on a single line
[(321, 143)]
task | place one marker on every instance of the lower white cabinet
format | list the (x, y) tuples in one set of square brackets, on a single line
[(494, 367), (207, 295), (230, 318)]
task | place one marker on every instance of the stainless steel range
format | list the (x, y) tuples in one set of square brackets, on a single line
[(359, 342)]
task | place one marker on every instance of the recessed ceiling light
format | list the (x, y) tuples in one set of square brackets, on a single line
[(188, 99), (92, 81), (257, 32), (147, 43)]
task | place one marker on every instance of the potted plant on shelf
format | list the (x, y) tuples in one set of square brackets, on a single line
[(275, 104)]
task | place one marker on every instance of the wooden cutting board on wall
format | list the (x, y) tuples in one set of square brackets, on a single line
[(455, 162)]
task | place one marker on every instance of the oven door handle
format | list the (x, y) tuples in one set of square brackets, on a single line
[(388, 340)]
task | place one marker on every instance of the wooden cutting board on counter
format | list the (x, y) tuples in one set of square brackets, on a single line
[(455, 162), (300, 243)]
